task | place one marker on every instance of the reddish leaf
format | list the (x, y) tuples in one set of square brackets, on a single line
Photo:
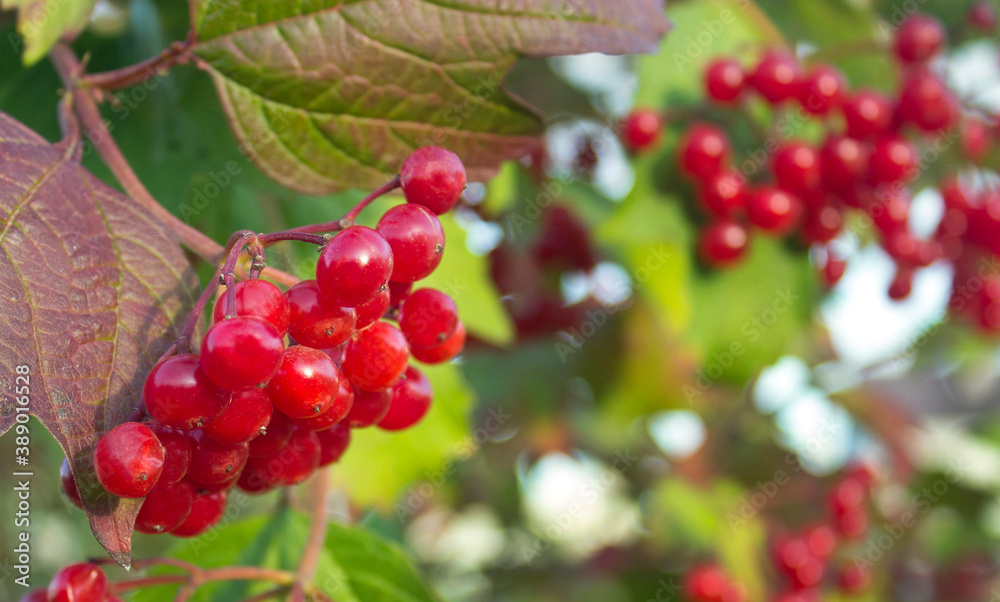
[(91, 285), (323, 95)]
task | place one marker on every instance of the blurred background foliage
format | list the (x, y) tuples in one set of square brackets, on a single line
[(619, 404)]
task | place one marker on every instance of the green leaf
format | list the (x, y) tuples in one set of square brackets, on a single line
[(355, 565), (323, 95), (423, 452), (42, 23)]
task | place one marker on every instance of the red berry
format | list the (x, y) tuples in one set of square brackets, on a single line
[(369, 408), (376, 357), (83, 582), (641, 129), (842, 163), (333, 442), (822, 90), (902, 284), (853, 524), (354, 267), (983, 16), (206, 510), (433, 177), (241, 352), (796, 168), (305, 384), (341, 406), (809, 574), (706, 584), (279, 429), (398, 292), (777, 77), (298, 459), (256, 297), (926, 102), (411, 398), (165, 508), (723, 243), (213, 462), (919, 39), (867, 114), (854, 579), (315, 323), (179, 394), (445, 352), (371, 312), (247, 415), (834, 270), (256, 477), (773, 210), (416, 238), (704, 151), (128, 460), (893, 160), (821, 541), (724, 193), (976, 139), (38, 595), (822, 225), (69, 485), (427, 318), (724, 80), (177, 452)]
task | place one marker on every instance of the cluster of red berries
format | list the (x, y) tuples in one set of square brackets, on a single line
[(802, 560), (82, 582), (865, 163), (253, 412)]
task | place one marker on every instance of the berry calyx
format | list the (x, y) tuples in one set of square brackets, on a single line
[(82, 582), (427, 318), (256, 297), (128, 460), (179, 394), (411, 399), (724, 80), (279, 429), (315, 323), (354, 267), (433, 177), (723, 243), (416, 238), (919, 39), (641, 129), (341, 406), (376, 357), (241, 352), (305, 384)]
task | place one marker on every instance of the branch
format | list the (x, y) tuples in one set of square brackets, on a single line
[(196, 577), (317, 537), (177, 53), (350, 216)]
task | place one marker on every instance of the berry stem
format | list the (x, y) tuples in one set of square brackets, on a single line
[(197, 577), (317, 537), (351, 215), (175, 54)]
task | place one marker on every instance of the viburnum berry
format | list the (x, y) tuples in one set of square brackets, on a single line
[(241, 352), (445, 352), (369, 408), (706, 584), (796, 168), (279, 429), (165, 508), (247, 415), (376, 357), (338, 410), (776, 77), (564, 241), (82, 582), (37, 595), (354, 267), (176, 452), (926, 102), (867, 114), (427, 318), (298, 459), (809, 574), (893, 160), (773, 210), (919, 39), (213, 462), (820, 540), (822, 90), (128, 460), (641, 129), (177, 393), (843, 162), (333, 442), (833, 270), (305, 384), (69, 484), (416, 238), (316, 323), (724, 80), (822, 225), (206, 510), (983, 16), (854, 579), (257, 478), (411, 399), (723, 243), (724, 193), (398, 292), (256, 297), (902, 284), (374, 310), (704, 151), (433, 177), (976, 139)]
